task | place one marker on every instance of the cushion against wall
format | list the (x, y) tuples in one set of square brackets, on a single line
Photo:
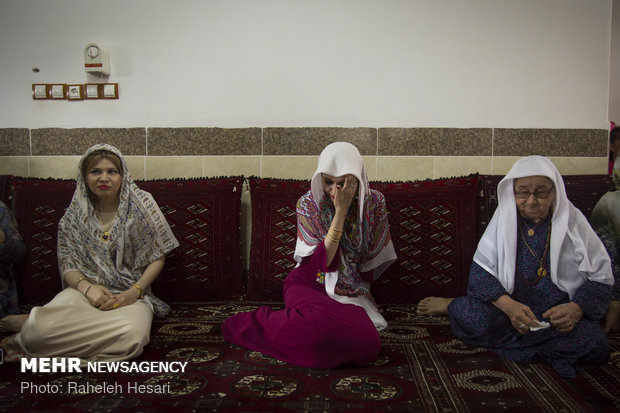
[(433, 228), (487, 201), (274, 235), (205, 217), (38, 205), (584, 191)]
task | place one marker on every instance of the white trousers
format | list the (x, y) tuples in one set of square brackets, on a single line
[(69, 326)]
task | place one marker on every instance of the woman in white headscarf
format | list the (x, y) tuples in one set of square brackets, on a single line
[(541, 278), (112, 243), (343, 245)]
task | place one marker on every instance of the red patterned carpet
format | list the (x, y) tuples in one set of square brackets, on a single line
[(421, 368)]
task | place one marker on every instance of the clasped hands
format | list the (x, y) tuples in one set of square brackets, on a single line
[(102, 298), (562, 317)]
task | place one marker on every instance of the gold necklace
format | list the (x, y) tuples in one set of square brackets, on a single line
[(106, 235), (530, 231), (542, 271)]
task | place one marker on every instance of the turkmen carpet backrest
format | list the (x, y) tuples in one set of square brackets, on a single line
[(205, 216), (38, 206), (432, 223), (433, 228), (274, 234), (584, 191)]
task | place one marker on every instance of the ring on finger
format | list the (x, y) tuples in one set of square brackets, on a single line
[(521, 326), (116, 305)]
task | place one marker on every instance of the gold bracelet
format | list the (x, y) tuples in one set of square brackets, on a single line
[(334, 235), (139, 289), (86, 290), (331, 238), (335, 230), (78, 283)]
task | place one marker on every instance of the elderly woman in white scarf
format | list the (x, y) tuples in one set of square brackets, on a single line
[(343, 244), (540, 281), (112, 243)]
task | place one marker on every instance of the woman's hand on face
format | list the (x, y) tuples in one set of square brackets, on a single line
[(564, 316), (99, 296), (345, 195)]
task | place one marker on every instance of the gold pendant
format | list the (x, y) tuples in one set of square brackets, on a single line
[(105, 236), (530, 232), (542, 272)]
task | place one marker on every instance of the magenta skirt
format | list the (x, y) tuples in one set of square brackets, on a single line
[(312, 330)]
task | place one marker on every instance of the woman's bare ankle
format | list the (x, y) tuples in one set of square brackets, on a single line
[(434, 305)]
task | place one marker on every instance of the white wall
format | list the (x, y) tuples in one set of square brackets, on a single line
[(235, 63)]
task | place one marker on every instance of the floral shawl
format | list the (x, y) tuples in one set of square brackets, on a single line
[(139, 236)]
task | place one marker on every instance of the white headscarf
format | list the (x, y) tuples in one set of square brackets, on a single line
[(577, 254), (340, 159)]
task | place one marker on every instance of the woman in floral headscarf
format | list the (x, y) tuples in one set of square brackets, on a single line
[(343, 244), (540, 281), (112, 243)]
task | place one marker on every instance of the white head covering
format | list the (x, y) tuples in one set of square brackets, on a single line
[(576, 253), (340, 159)]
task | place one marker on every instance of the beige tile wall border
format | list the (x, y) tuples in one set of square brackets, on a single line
[(435, 142), (14, 142), (311, 141), (393, 153), (550, 142), (60, 141), (204, 141)]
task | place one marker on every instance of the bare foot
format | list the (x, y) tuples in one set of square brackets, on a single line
[(12, 323), (434, 305)]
